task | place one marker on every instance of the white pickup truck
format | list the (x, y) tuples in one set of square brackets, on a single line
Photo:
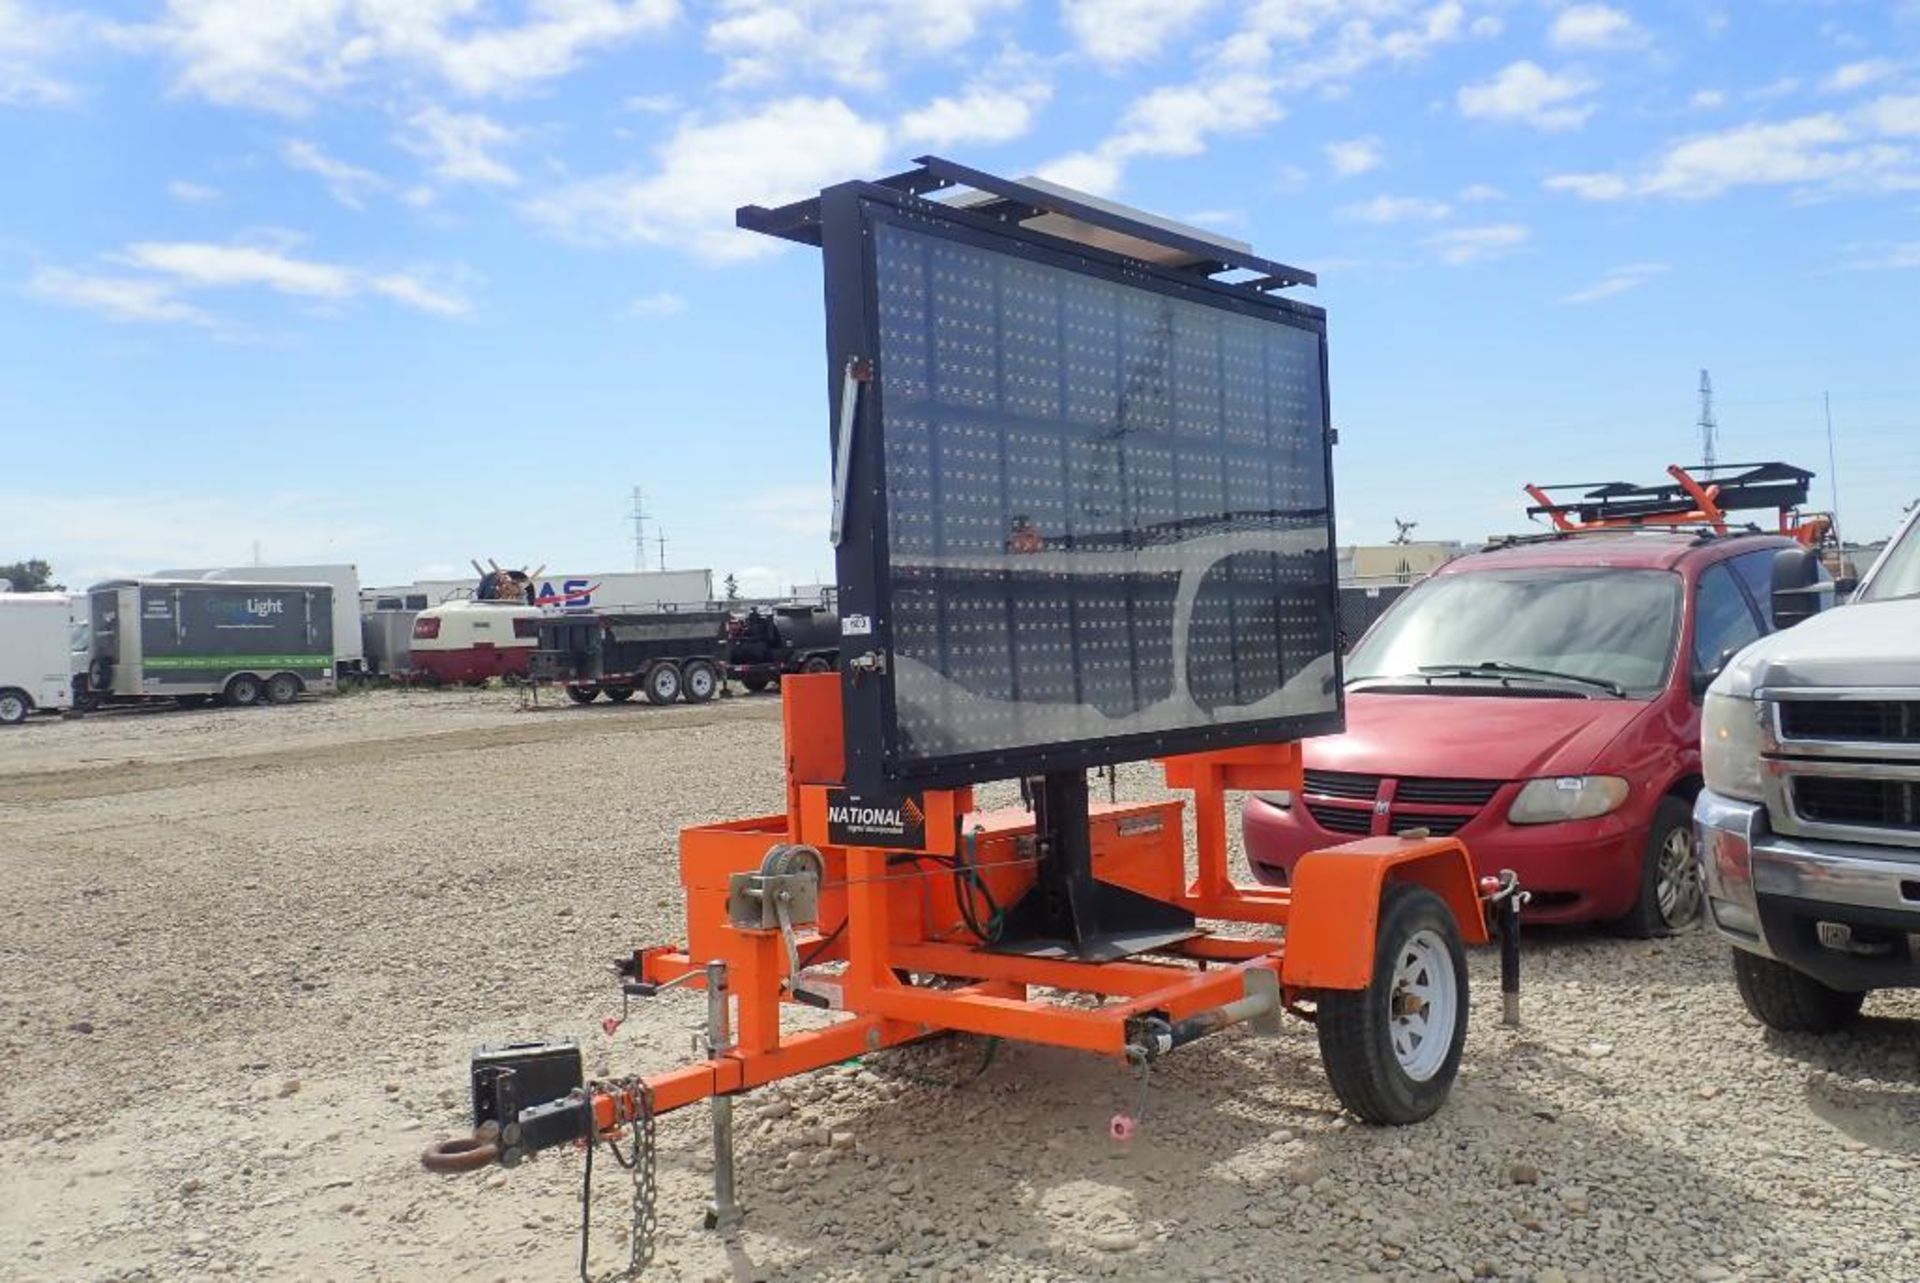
[(1808, 830)]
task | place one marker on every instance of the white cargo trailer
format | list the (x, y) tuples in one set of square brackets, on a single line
[(348, 653), (36, 654)]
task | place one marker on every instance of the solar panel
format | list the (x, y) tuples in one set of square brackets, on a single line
[(1088, 512)]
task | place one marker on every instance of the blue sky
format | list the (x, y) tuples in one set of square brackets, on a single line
[(407, 281)]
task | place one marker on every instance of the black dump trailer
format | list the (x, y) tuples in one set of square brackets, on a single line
[(762, 645), (667, 656), (196, 639)]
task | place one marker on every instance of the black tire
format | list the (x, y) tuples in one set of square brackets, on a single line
[(755, 685), (583, 694), (618, 694), (14, 706), (1669, 897), (1417, 941), (663, 683), (1781, 998), (282, 688), (699, 680), (817, 664), (243, 690)]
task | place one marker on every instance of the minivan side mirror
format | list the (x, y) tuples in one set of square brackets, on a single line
[(1796, 586)]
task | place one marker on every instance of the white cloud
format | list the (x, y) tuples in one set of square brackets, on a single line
[(460, 146), (651, 104), (29, 43), (980, 114), (118, 298), (1462, 245), (1117, 32), (1858, 150), (348, 184), (787, 149), (1617, 281), (766, 41), (1707, 100), (282, 54), (1858, 75), (1353, 156), (1480, 194), (192, 193), (1901, 257), (1174, 120), (1397, 209), (659, 303), (1595, 27), (170, 269), (1526, 93)]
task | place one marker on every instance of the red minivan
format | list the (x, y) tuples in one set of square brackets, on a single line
[(1541, 700)]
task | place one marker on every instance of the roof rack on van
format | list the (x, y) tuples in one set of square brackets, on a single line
[(1697, 498)]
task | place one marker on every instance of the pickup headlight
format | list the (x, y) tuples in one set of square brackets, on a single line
[(1567, 797), (1730, 746)]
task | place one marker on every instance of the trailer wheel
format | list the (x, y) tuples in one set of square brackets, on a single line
[(242, 690), (583, 694), (14, 707), (817, 664), (618, 694), (1391, 1050), (700, 680), (283, 688), (663, 683), (755, 685)]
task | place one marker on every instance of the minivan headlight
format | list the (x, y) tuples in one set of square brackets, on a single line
[(1567, 797), (1730, 746)]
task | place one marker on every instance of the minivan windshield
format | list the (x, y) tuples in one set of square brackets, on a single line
[(1899, 574), (1597, 627)]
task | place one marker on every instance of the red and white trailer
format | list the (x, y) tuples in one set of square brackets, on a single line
[(468, 642)]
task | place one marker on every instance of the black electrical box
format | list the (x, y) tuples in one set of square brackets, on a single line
[(510, 1077)]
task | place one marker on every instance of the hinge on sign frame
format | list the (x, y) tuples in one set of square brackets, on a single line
[(1333, 436)]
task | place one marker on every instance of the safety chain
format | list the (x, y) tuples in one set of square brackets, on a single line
[(632, 1101)]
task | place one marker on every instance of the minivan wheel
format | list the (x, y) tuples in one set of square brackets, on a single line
[(1781, 998), (1669, 897)]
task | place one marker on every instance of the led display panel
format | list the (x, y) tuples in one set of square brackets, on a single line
[(1096, 517)]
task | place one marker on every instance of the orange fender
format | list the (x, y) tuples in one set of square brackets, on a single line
[(1336, 904)]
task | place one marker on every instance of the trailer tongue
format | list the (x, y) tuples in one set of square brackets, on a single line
[(1083, 514)]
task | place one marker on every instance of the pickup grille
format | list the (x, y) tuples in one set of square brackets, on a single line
[(1866, 720), (1880, 804)]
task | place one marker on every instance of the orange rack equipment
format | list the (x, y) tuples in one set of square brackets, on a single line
[(900, 943)]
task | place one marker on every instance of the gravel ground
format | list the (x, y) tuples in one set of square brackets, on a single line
[(247, 954)]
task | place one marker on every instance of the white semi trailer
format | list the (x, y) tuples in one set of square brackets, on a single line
[(37, 638)]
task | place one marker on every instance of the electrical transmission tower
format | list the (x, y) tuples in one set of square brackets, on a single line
[(662, 540), (1709, 426), (638, 516)]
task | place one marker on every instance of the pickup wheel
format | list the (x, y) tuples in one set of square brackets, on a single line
[(1391, 1050), (817, 664), (1781, 998), (1669, 897)]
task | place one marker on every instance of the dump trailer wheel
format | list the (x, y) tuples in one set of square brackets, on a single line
[(618, 694), (1391, 1050), (243, 690), (817, 664), (283, 688), (700, 680), (1781, 998), (14, 707), (756, 684), (663, 683), (583, 694)]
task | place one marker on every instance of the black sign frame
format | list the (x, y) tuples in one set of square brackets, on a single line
[(846, 218)]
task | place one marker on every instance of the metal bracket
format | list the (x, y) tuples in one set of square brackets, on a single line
[(758, 901), (1263, 983), (858, 371)]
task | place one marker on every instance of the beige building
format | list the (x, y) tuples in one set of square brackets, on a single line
[(1397, 563)]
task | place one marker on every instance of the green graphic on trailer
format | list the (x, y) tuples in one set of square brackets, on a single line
[(238, 661)]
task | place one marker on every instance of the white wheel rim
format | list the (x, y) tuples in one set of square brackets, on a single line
[(701, 683), (12, 708), (666, 682), (1423, 1005), (1677, 880)]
